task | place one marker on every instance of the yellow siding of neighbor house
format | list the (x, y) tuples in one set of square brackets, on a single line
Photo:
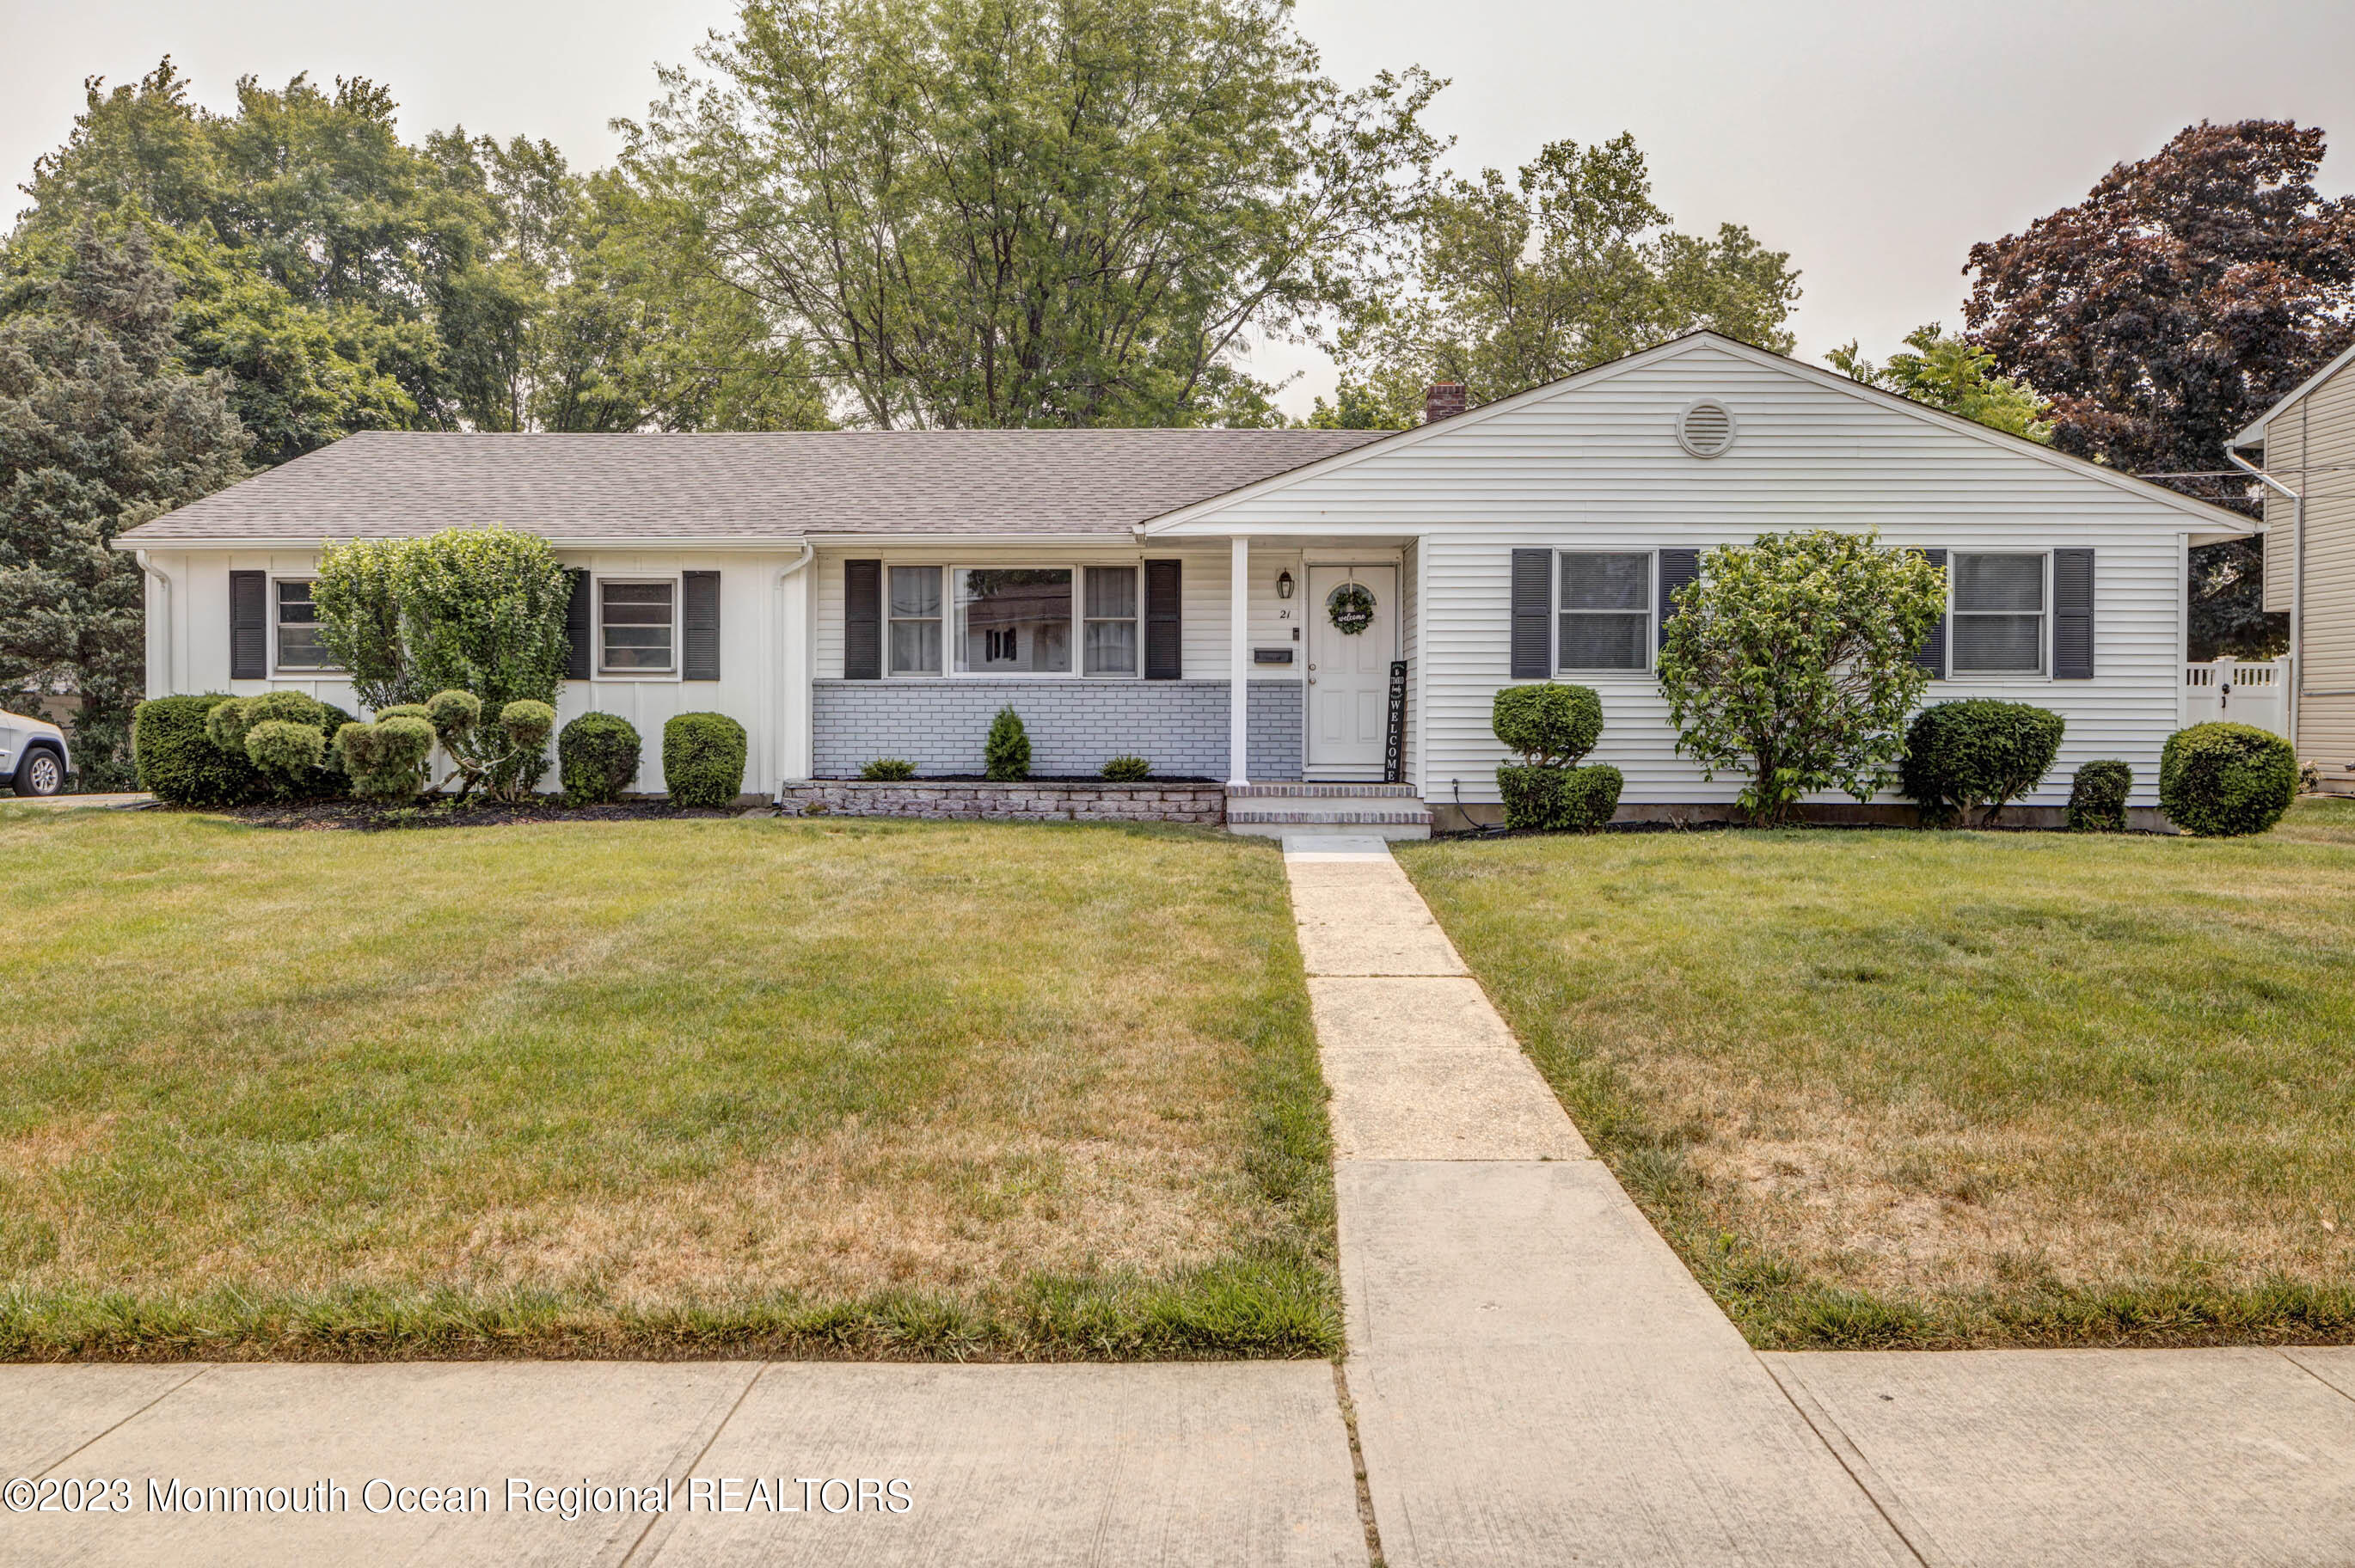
[(2311, 445)]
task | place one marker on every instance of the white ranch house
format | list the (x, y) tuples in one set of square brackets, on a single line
[(855, 596)]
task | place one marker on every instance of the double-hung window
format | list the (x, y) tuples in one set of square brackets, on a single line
[(1605, 611), (1999, 615), (298, 627), (915, 638), (1108, 639), (637, 627)]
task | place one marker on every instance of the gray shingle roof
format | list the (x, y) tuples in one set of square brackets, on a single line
[(388, 483)]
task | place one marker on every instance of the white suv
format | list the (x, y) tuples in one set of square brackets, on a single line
[(33, 756)]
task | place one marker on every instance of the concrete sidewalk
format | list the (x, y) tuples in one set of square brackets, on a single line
[(819, 1463)]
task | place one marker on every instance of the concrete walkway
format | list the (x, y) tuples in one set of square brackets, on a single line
[(67, 802), (1537, 1378)]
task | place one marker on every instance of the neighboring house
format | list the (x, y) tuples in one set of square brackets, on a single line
[(853, 595), (2305, 445)]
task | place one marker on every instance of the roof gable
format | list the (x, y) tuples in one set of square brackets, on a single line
[(1203, 515), (2255, 431)]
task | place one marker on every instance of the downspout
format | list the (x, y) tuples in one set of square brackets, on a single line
[(164, 587), (784, 687), (2290, 703)]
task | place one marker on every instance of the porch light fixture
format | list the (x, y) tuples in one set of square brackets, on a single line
[(1284, 586)]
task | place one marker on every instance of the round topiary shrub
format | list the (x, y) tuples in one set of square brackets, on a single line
[(285, 751), (1575, 800), (389, 761), (597, 758), (1549, 724), (1127, 770), (703, 759), (2097, 796), (1978, 753), (888, 770), (1006, 755), (178, 761), (2221, 780)]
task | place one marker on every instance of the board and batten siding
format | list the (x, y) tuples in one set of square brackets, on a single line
[(2310, 446), (188, 649), (1596, 465)]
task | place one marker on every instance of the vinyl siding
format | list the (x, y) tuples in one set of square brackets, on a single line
[(1597, 465), (2311, 445), (188, 649)]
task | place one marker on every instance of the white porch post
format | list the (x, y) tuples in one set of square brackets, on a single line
[(1239, 662)]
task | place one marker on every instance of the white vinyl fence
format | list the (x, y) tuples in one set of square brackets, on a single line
[(2246, 693)]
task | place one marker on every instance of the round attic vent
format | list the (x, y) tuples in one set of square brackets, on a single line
[(1706, 429)]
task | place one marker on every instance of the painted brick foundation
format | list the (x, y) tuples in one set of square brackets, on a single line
[(1075, 726), (1033, 800)]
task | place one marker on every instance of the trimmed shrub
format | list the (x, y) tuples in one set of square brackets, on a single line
[(2223, 780), (1978, 753), (1127, 770), (1549, 724), (703, 759), (888, 770), (286, 752), (178, 761), (597, 758), (2097, 796), (1576, 800), (1006, 755), (453, 715), (389, 761), (527, 723)]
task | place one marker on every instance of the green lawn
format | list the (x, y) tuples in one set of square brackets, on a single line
[(692, 1088), (1901, 1089)]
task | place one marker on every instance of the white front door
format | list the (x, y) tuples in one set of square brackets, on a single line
[(1350, 672)]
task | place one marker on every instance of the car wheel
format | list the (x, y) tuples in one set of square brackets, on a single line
[(41, 772)]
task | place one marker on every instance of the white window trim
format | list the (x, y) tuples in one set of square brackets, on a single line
[(946, 619), (279, 666), (951, 617), (1651, 618), (1957, 674), (597, 620)]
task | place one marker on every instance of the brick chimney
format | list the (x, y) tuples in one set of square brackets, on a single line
[(1442, 401)]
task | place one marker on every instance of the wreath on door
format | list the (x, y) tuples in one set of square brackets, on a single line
[(1350, 607)]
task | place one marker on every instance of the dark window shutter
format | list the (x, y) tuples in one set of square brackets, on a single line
[(862, 620), (248, 625), (2073, 614), (1532, 612), (1678, 567), (579, 628), (698, 620), (1931, 655), (1165, 623)]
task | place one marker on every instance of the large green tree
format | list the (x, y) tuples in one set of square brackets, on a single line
[(2186, 294), (1568, 263), (1953, 373), (100, 428), (1033, 212)]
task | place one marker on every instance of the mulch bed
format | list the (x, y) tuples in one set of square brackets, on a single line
[(355, 815)]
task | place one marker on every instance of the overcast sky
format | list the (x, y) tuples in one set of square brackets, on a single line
[(1874, 140)]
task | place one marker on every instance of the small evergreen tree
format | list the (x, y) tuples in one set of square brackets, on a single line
[(1006, 753)]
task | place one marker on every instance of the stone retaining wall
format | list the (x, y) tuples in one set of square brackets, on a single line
[(1203, 804)]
